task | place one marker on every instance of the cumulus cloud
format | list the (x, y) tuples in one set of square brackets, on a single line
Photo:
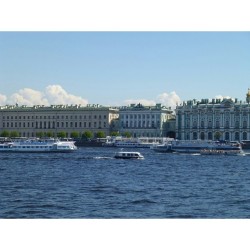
[(169, 100), (3, 99), (166, 99), (57, 95), (53, 94), (29, 97), (223, 97)]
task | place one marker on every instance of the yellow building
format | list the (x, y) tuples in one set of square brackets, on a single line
[(31, 121)]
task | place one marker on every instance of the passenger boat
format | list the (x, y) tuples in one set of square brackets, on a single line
[(37, 145), (221, 152), (245, 144), (165, 147), (141, 142), (162, 148), (196, 146), (128, 155)]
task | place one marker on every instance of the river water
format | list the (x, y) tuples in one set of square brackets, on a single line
[(90, 183)]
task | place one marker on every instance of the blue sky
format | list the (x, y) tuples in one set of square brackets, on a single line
[(111, 67)]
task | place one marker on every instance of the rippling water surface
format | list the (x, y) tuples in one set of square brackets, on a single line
[(90, 183)]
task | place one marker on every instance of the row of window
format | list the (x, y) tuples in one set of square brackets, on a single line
[(55, 117), (139, 124), (53, 124), (139, 116), (217, 124), (210, 136)]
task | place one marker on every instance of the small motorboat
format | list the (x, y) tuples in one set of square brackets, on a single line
[(128, 155)]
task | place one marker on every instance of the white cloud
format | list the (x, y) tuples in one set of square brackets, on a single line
[(57, 95), (53, 94), (3, 99), (223, 97), (29, 97), (168, 100)]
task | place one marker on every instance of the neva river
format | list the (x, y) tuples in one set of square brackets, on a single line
[(90, 183)]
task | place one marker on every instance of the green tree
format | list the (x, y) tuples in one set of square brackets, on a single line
[(217, 135), (61, 134), (49, 134), (127, 134), (5, 133), (39, 134), (14, 134), (87, 134), (100, 134), (74, 134), (114, 133)]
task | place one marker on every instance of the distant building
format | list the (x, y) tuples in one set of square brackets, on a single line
[(145, 121), (216, 119), (29, 121)]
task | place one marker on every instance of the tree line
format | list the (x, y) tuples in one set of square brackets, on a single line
[(85, 135)]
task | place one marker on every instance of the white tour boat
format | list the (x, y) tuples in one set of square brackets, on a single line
[(128, 155), (196, 146), (140, 142), (37, 145)]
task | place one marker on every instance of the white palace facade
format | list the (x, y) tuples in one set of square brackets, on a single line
[(145, 121), (225, 119)]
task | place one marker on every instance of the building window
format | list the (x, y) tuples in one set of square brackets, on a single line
[(227, 138), (195, 136), (210, 136), (217, 124), (237, 136), (244, 124), (237, 124), (194, 124), (244, 135), (202, 136)]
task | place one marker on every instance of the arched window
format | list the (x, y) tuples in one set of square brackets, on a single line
[(244, 135), (195, 136), (227, 124), (202, 124), (244, 124), (210, 124), (202, 136), (210, 136), (227, 136), (237, 124), (195, 124), (237, 136), (217, 124)]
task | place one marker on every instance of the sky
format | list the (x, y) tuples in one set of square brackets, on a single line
[(118, 68)]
